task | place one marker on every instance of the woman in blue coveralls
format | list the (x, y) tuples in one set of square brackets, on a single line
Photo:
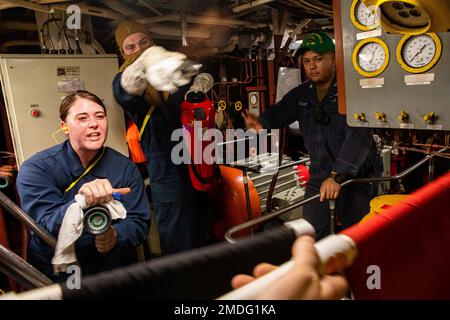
[(180, 221), (337, 151), (48, 181)]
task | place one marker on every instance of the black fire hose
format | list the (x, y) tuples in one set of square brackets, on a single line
[(4, 182), (203, 273), (97, 219)]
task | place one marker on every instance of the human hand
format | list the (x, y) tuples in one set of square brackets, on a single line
[(243, 279), (99, 191), (164, 69), (329, 190), (303, 280), (106, 241)]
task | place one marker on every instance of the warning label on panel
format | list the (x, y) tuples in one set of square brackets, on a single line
[(68, 71)]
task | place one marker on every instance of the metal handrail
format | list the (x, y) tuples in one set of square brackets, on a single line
[(18, 213), (276, 214), (21, 271)]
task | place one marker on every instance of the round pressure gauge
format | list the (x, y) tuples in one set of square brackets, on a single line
[(417, 54), (362, 17), (253, 99), (370, 57)]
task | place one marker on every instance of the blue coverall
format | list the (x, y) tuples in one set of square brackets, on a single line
[(41, 183), (181, 224), (332, 146)]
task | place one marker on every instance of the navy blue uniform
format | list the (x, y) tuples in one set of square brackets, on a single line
[(41, 183), (172, 193), (332, 146)]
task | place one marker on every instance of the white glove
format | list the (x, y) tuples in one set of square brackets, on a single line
[(203, 82), (133, 78), (164, 69)]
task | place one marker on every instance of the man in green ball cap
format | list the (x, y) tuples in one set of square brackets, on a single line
[(337, 152)]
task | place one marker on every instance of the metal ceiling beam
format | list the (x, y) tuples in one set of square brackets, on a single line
[(91, 11), (251, 5), (29, 5), (176, 32), (119, 6), (6, 5), (50, 8), (218, 21)]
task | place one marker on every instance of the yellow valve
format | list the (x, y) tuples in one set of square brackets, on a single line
[(403, 116), (412, 16), (360, 116), (222, 105), (429, 117), (380, 116), (238, 106)]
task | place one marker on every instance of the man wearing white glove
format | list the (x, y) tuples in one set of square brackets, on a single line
[(152, 84)]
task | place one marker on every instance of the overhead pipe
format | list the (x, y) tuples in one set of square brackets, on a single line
[(145, 4), (30, 5), (184, 42), (118, 6), (176, 32), (84, 9), (218, 21), (294, 33), (6, 5), (91, 11), (251, 5)]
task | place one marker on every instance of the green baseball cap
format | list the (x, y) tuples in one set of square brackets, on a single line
[(318, 42)]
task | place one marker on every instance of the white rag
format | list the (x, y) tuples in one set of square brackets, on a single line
[(164, 69), (72, 228)]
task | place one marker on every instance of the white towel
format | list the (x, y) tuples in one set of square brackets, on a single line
[(72, 228)]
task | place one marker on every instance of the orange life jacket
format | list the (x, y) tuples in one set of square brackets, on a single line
[(134, 146)]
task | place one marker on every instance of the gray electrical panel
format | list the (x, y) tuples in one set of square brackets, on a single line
[(401, 96), (33, 87)]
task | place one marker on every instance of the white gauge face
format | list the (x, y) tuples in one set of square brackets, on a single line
[(419, 51), (253, 99), (364, 15), (371, 57)]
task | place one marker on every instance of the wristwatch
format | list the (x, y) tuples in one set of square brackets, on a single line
[(338, 177)]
